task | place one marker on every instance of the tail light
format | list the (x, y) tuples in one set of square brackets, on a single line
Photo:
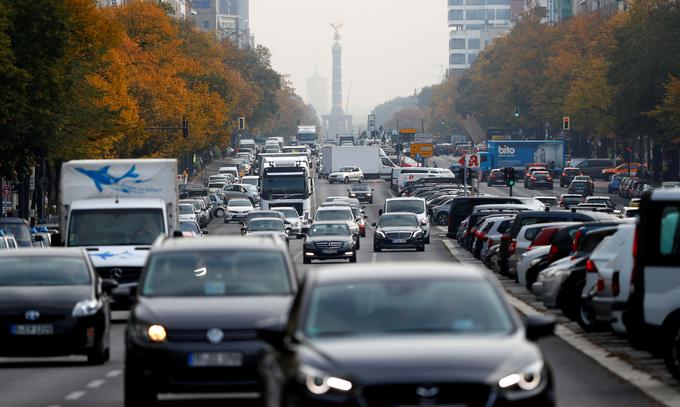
[(549, 178), (616, 286), (533, 178), (576, 241), (600, 285), (554, 250), (491, 242), (590, 266), (564, 174), (635, 255), (513, 247)]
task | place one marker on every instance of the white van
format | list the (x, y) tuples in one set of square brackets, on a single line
[(414, 173), (412, 205), (233, 171)]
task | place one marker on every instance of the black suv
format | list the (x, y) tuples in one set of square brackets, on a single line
[(461, 208)]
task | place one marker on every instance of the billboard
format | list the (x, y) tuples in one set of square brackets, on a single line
[(422, 149)]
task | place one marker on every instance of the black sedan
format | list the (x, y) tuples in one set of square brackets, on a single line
[(192, 326), (329, 241), (52, 303), (496, 177), (398, 230), (540, 179), (389, 336), (362, 192)]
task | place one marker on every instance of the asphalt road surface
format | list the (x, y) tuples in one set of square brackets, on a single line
[(69, 382)]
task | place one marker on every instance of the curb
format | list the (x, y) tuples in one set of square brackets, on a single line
[(646, 383)]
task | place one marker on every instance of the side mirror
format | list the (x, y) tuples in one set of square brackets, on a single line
[(538, 326), (205, 232), (109, 285), (380, 212), (243, 231), (423, 222), (271, 331)]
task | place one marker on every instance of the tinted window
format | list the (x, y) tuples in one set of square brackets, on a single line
[(344, 214), (328, 230), (670, 232), (407, 307), (189, 227), (261, 225), (398, 220), (216, 274), (49, 271), (115, 227), (406, 205)]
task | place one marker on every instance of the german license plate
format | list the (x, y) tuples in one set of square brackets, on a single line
[(399, 241), (213, 359), (329, 251), (42, 329)]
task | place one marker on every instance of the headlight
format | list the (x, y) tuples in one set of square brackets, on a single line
[(369, 194), (352, 194), (86, 308), (527, 379), (319, 383), (150, 332), (418, 233), (379, 233)]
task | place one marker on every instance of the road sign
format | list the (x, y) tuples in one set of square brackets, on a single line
[(423, 138), (423, 149), (472, 160), (408, 130), (371, 122), (474, 130)]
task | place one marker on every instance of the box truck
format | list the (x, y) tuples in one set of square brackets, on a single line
[(116, 209), (372, 160), (518, 153)]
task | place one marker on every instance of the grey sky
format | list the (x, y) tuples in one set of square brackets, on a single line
[(390, 47)]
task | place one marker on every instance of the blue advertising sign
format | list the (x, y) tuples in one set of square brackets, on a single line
[(518, 153)]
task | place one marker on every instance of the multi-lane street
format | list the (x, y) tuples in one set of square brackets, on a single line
[(70, 382)]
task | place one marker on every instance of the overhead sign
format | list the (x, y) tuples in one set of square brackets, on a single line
[(422, 138), (474, 130), (472, 160), (371, 122), (408, 130), (422, 149)]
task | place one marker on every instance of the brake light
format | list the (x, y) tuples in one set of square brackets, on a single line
[(576, 241), (513, 247), (564, 174), (590, 266), (616, 286), (553, 252), (506, 236), (600, 285), (491, 242), (635, 255), (549, 178), (533, 178)]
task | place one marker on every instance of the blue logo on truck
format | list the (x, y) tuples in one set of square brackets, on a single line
[(101, 178)]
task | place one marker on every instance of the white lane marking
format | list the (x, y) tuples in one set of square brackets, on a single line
[(75, 395), (95, 384), (114, 373), (653, 388)]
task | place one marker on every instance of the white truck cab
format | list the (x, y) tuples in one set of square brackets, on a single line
[(414, 205)]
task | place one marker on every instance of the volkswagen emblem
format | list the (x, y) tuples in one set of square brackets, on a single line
[(427, 392), (116, 273), (215, 335), (32, 315)]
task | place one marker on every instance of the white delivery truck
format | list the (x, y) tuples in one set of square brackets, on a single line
[(287, 181), (116, 209), (372, 160)]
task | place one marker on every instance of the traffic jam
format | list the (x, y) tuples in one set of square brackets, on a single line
[(341, 274)]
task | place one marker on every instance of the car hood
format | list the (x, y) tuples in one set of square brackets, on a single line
[(44, 299), (392, 229), (328, 238), (430, 358), (241, 312)]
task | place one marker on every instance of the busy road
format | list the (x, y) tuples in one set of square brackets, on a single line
[(68, 381)]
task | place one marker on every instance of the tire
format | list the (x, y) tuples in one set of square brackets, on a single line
[(420, 248), (427, 239), (442, 219), (363, 234), (361, 179), (569, 297), (586, 318), (137, 392), (219, 213), (99, 355), (672, 352), (358, 244), (346, 180), (306, 260), (353, 259), (377, 248)]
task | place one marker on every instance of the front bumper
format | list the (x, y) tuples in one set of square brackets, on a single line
[(387, 243), (541, 184), (328, 254), (603, 307), (165, 366), (235, 216), (362, 197)]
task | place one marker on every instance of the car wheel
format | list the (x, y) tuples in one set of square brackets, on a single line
[(219, 212), (136, 391), (358, 244), (363, 234), (377, 248), (442, 219), (672, 356), (488, 184), (427, 239), (361, 179), (586, 318), (306, 260), (353, 259), (99, 355), (569, 298), (420, 248), (346, 180)]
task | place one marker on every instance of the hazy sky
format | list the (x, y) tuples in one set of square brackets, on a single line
[(390, 47)]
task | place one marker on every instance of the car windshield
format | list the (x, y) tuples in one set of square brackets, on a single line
[(406, 307), (398, 220), (336, 229), (360, 187), (288, 212), (19, 230), (345, 169), (334, 214), (572, 171), (43, 271), (249, 187), (186, 210), (113, 227), (571, 199), (262, 225), (189, 227), (216, 274), (406, 205), (239, 202)]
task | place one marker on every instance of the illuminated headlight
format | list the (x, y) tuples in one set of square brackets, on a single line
[(379, 233), (86, 308), (150, 332), (369, 194), (319, 383), (528, 379), (352, 194), (418, 233)]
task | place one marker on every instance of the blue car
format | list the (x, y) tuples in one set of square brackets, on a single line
[(615, 182)]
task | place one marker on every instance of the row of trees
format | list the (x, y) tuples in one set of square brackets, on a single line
[(77, 81), (618, 78)]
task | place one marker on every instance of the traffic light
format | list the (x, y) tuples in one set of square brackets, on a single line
[(565, 123), (511, 177), (505, 174)]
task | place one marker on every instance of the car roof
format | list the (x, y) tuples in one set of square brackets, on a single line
[(173, 245), (43, 252), (401, 271), (398, 213), (13, 220), (666, 194)]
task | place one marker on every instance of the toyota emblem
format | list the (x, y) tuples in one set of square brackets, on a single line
[(32, 315), (215, 335), (427, 392), (116, 273)]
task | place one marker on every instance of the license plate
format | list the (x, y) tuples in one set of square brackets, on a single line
[(32, 329), (398, 241), (329, 251), (213, 359)]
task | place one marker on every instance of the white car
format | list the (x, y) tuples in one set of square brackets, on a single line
[(346, 174), (187, 213), (292, 219), (527, 260), (411, 205), (191, 229), (237, 209), (251, 180)]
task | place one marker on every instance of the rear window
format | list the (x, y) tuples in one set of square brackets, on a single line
[(669, 233)]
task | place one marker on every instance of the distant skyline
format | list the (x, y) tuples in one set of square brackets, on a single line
[(390, 47)]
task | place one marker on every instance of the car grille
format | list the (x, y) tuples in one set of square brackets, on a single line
[(20, 317), (398, 235), (124, 275), (463, 394), (200, 335), (324, 245)]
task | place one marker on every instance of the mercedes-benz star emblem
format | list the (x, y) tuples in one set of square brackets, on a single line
[(215, 335), (32, 315), (116, 273), (427, 391)]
